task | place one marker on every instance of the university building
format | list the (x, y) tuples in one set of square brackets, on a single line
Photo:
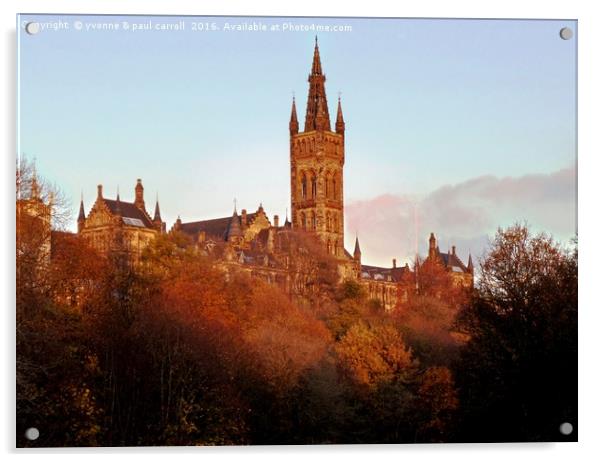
[(254, 243)]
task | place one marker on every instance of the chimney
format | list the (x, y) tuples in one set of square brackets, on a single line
[(100, 191), (394, 263), (432, 245), (276, 221), (139, 202)]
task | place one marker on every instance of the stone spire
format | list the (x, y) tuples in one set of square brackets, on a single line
[(470, 265), (82, 213), (294, 123), (234, 231), (157, 217), (316, 67), (316, 116), (81, 217), (340, 124), (357, 253)]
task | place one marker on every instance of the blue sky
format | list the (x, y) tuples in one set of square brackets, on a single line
[(202, 117)]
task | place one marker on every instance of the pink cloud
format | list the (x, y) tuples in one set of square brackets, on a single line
[(462, 214)]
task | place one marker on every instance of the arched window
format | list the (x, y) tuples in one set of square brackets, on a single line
[(328, 246), (314, 187), (327, 185), (313, 220), (303, 222), (335, 247), (335, 224), (303, 186), (334, 188), (328, 221)]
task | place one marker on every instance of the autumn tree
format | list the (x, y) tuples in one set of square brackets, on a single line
[(428, 312), (54, 369), (518, 372), (438, 404), (370, 355)]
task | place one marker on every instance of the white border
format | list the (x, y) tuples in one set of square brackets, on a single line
[(590, 152)]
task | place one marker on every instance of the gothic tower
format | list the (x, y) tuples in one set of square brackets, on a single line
[(317, 159)]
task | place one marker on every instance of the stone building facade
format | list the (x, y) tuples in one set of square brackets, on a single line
[(250, 241), (118, 227)]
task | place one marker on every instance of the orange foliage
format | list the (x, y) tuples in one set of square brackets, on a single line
[(439, 399), (372, 355)]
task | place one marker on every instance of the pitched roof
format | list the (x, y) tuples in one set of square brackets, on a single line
[(217, 227), (128, 210), (452, 260), (383, 274)]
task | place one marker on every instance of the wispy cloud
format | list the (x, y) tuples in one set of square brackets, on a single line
[(463, 214)]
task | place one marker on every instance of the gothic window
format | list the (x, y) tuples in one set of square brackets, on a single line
[(335, 226), (314, 187), (334, 188), (328, 247), (326, 184), (335, 247), (304, 186), (313, 220), (328, 219), (303, 223)]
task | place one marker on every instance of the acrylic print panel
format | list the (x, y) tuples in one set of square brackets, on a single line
[(266, 230)]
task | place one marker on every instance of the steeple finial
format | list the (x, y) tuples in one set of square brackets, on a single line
[(316, 116), (157, 217), (316, 68), (81, 217), (234, 230), (470, 265), (82, 213), (294, 123), (340, 124), (357, 253)]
